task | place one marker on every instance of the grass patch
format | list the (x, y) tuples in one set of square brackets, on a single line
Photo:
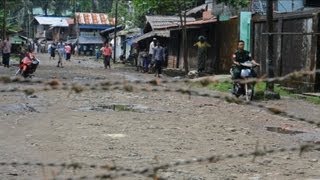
[(220, 86), (314, 100), (260, 87)]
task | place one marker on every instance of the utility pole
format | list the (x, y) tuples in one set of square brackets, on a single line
[(115, 32), (184, 31), (183, 22), (269, 93)]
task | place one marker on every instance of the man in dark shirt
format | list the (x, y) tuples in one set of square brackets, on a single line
[(240, 56), (159, 58)]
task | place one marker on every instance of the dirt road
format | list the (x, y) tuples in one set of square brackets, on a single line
[(144, 129)]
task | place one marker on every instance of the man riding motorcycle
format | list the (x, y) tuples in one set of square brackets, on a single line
[(28, 64), (241, 56)]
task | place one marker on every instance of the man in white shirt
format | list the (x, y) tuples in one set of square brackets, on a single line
[(151, 50)]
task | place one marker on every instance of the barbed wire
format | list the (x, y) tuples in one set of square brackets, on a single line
[(153, 171), (204, 80), (108, 86), (155, 85)]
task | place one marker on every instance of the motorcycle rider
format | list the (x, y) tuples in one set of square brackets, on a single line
[(241, 56), (27, 62)]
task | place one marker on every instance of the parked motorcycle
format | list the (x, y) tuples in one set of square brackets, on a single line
[(28, 66), (245, 89)]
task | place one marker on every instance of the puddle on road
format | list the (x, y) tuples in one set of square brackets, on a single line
[(118, 108), (121, 108), (310, 137), (282, 130), (17, 108)]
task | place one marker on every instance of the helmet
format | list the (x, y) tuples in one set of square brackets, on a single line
[(201, 38)]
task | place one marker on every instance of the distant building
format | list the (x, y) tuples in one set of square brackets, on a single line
[(88, 27), (283, 6), (52, 28)]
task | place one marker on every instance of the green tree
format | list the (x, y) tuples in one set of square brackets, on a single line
[(236, 3), (11, 16), (96, 6), (125, 12)]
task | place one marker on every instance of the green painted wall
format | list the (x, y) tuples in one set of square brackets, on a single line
[(245, 28)]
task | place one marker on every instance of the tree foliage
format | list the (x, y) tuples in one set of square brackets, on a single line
[(163, 7), (13, 15), (236, 3)]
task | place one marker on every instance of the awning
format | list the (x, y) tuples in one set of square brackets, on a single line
[(72, 41), (111, 29), (162, 33), (93, 26)]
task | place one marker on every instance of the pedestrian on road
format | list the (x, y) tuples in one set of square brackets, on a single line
[(151, 49), (36, 48), (49, 50), (97, 52), (159, 58), (60, 53), (107, 53), (202, 52), (67, 49), (53, 51), (76, 50), (6, 50)]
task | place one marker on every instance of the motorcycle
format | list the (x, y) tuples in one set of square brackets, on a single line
[(28, 66), (246, 89)]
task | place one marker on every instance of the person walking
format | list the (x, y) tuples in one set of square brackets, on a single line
[(97, 53), (60, 54), (159, 58), (152, 45), (202, 52), (6, 50), (53, 51), (49, 50), (107, 53), (76, 50), (67, 49)]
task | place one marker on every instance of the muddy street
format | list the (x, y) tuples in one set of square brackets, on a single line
[(137, 129)]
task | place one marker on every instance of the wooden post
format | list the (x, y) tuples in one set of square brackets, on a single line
[(270, 67), (185, 40), (115, 33), (269, 93)]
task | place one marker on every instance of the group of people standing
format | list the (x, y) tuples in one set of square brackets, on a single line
[(154, 58), (64, 51), (157, 56)]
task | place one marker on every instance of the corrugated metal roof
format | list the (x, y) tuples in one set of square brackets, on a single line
[(161, 33), (163, 22), (63, 21), (70, 21), (94, 18), (199, 22), (217, 9), (197, 9)]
